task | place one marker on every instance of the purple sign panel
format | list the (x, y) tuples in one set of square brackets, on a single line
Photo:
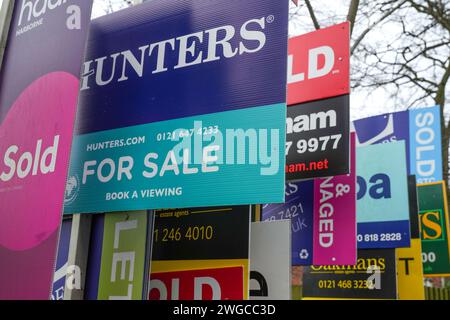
[(38, 97), (334, 235), (421, 131), (384, 128), (94, 257), (298, 207)]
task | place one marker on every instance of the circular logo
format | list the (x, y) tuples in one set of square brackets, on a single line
[(304, 254), (72, 189), (270, 18)]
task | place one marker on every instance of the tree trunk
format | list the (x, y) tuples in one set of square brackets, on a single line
[(352, 12)]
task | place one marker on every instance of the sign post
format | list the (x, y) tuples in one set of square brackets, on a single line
[(78, 253), (6, 9), (409, 260)]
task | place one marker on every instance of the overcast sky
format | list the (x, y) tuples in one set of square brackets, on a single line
[(362, 104)]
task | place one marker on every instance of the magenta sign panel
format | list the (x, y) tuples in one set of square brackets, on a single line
[(39, 84), (334, 231)]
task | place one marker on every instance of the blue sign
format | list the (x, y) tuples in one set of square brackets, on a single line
[(179, 107), (421, 131), (59, 279), (382, 204), (426, 144), (299, 209), (94, 258)]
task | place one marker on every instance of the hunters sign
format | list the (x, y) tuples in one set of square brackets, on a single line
[(169, 97)]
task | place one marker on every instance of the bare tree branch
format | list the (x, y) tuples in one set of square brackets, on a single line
[(440, 94), (373, 25), (312, 14), (352, 12)]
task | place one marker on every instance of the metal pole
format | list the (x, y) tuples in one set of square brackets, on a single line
[(5, 22), (78, 253)]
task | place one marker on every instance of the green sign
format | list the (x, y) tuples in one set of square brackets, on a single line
[(123, 256), (434, 228)]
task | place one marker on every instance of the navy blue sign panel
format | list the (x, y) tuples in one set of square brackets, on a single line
[(298, 207), (182, 58), (59, 278), (94, 257)]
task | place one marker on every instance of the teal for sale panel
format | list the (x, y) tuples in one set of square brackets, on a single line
[(382, 198), (180, 163)]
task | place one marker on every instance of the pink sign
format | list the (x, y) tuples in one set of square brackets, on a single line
[(36, 136), (39, 83), (334, 227)]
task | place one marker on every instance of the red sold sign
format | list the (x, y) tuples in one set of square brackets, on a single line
[(207, 284), (319, 64)]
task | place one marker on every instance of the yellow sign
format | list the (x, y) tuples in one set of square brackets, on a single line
[(410, 272)]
